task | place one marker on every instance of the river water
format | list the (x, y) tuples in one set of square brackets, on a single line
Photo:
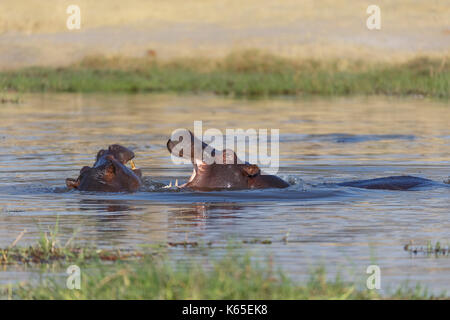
[(48, 137)]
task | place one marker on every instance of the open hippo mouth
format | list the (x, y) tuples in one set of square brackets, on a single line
[(109, 172), (120, 153), (230, 173)]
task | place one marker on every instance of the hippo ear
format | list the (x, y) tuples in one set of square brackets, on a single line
[(84, 169), (100, 154), (252, 170), (72, 183)]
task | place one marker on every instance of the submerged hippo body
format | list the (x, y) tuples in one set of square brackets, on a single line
[(109, 172), (390, 183), (231, 174)]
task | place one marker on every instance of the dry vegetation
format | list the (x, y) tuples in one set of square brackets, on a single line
[(34, 32), (35, 16)]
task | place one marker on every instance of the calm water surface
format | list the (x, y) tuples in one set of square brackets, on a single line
[(47, 138)]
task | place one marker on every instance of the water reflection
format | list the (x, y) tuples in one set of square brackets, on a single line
[(106, 205)]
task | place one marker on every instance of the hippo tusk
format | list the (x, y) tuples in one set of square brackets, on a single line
[(168, 186), (133, 167)]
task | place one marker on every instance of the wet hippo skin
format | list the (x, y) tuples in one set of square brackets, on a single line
[(247, 176), (389, 183), (231, 174), (109, 172)]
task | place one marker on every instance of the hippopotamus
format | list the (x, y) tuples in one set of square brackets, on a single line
[(231, 174), (109, 172)]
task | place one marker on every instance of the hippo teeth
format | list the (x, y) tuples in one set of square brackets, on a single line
[(133, 167), (170, 185)]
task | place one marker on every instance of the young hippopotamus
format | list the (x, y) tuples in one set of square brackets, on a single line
[(109, 172), (230, 174)]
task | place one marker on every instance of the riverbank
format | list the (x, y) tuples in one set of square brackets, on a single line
[(232, 277), (247, 73), (152, 274)]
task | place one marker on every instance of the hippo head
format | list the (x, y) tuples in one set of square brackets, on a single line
[(229, 174), (109, 172)]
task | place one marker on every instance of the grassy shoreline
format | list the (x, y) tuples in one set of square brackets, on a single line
[(152, 274), (243, 74), (233, 277)]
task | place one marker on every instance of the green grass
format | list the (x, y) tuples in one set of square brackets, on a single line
[(232, 277), (249, 73), (152, 274), (49, 250)]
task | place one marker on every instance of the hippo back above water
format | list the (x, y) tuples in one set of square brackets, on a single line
[(390, 183)]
